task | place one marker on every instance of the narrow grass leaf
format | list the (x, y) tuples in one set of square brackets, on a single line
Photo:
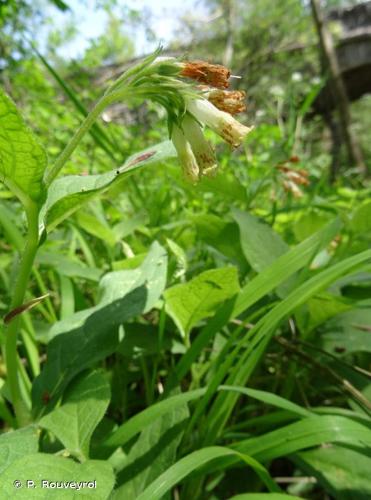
[(153, 452), (189, 463), (139, 421), (255, 341)]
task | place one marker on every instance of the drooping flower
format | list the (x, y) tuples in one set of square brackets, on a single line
[(191, 107), (194, 152), (201, 148), (221, 122), (185, 155)]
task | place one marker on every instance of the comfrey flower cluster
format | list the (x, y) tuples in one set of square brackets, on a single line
[(189, 106), (213, 106)]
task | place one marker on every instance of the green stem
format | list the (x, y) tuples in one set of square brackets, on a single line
[(20, 407), (79, 134)]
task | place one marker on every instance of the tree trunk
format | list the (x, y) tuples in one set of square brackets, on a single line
[(338, 88), (228, 13)]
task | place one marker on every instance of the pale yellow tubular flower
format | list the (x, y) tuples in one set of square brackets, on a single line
[(201, 148), (185, 155), (221, 122)]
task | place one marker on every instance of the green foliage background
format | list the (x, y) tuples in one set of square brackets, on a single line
[(208, 341)]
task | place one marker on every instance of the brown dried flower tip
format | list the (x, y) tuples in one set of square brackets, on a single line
[(204, 72), (232, 102), (298, 176)]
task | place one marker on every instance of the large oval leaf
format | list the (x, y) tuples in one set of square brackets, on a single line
[(43, 469), (92, 334), (22, 159), (73, 422)]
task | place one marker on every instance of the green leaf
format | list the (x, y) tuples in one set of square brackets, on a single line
[(360, 221), (189, 463), (306, 433), (343, 472), (8, 221), (142, 340), (321, 308), (198, 299), (67, 266), (260, 244), (309, 222), (97, 132), (92, 334), (270, 399), (141, 420), (73, 422), (153, 453), (40, 467), (252, 346), (297, 436), (67, 194), (264, 496), (221, 235), (16, 444), (348, 332), (22, 158), (92, 225), (284, 267), (224, 185)]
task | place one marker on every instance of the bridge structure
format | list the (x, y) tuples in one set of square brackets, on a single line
[(353, 51)]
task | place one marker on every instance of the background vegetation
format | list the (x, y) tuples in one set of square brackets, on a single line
[(246, 368)]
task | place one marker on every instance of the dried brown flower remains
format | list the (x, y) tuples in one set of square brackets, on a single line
[(209, 74)]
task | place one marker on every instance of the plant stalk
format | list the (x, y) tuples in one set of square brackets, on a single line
[(11, 331), (79, 134)]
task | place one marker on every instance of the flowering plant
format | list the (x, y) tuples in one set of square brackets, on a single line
[(24, 167)]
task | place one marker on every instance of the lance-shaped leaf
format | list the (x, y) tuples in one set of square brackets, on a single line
[(67, 194), (22, 159)]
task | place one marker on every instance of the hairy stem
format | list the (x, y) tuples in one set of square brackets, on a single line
[(79, 134), (20, 407)]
